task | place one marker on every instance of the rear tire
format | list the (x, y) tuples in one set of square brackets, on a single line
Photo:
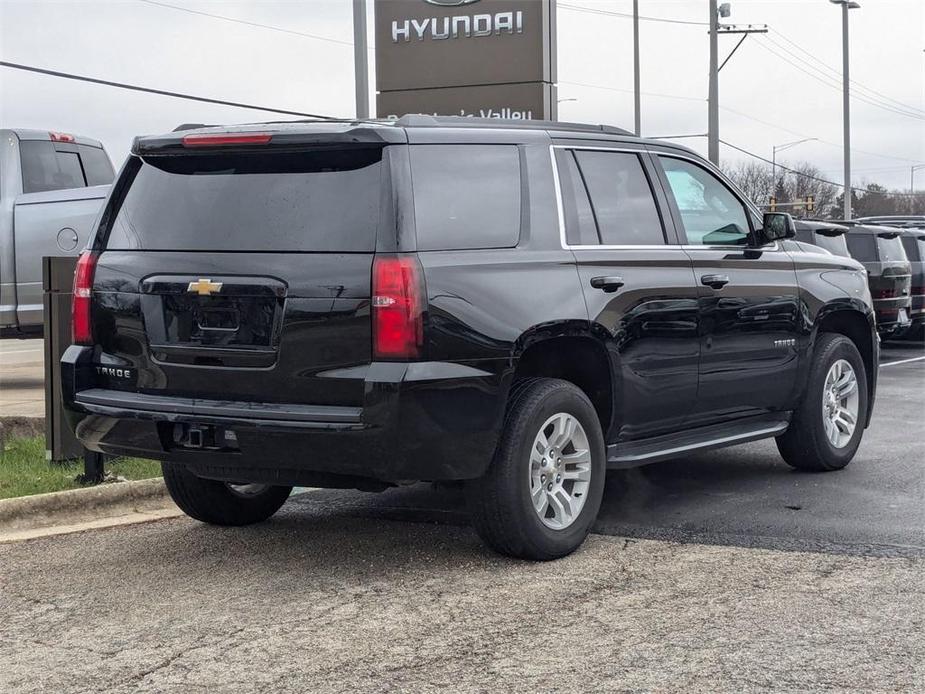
[(220, 503), (820, 437), (538, 500)]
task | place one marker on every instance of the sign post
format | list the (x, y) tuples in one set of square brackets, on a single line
[(482, 58)]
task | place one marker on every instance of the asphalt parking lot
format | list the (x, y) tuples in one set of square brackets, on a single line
[(726, 571)]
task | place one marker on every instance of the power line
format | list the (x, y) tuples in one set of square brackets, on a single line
[(838, 74), (836, 78), (830, 82), (630, 91), (626, 15), (247, 23), (161, 92), (738, 113), (800, 173)]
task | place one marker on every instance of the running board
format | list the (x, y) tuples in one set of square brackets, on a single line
[(635, 453)]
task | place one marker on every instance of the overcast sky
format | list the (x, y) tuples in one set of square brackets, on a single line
[(765, 100)]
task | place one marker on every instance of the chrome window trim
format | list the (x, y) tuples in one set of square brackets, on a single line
[(560, 208)]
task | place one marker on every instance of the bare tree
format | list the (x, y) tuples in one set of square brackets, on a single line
[(753, 178)]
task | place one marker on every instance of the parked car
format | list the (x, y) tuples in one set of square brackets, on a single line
[(829, 236), (52, 187), (889, 273), (910, 221), (517, 305), (913, 241)]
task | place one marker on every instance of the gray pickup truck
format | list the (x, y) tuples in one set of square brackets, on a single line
[(52, 187)]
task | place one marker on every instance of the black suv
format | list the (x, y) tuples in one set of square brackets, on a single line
[(889, 274), (516, 305)]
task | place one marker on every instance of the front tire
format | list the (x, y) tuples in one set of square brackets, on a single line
[(543, 489), (827, 427), (221, 503)]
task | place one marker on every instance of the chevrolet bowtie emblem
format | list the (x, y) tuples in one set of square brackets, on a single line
[(204, 287)]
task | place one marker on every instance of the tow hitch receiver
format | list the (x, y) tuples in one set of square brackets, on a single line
[(204, 436)]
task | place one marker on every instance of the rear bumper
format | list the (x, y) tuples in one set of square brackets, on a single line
[(419, 421), (887, 312)]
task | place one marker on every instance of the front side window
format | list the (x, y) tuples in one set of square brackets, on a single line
[(711, 214), (915, 247), (466, 196)]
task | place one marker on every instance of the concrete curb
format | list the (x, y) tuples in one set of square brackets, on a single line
[(15, 426), (80, 505)]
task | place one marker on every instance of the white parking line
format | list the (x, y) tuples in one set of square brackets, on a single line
[(901, 361), (22, 351)]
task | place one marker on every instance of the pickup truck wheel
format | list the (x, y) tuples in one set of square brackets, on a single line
[(543, 489), (222, 503), (827, 427)]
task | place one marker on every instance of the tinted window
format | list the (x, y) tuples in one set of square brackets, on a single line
[(580, 228), (834, 244), (466, 196), (44, 168), (914, 247), (97, 168), (891, 249), (621, 198), (297, 201), (711, 214), (862, 247)]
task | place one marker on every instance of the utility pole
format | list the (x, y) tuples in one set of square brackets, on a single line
[(846, 106), (637, 98), (360, 59), (715, 66), (713, 99)]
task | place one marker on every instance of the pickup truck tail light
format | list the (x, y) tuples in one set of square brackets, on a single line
[(81, 330), (397, 307)]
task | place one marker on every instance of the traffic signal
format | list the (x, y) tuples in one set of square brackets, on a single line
[(773, 204), (810, 203)]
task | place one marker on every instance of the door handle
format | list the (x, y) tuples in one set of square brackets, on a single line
[(609, 284), (715, 281)]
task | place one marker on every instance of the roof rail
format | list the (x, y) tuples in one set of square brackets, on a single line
[(420, 119)]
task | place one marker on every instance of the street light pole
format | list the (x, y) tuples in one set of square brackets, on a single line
[(360, 59), (846, 106), (637, 99), (780, 148), (915, 167)]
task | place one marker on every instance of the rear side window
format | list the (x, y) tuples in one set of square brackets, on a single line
[(863, 247), (44, 168), (96, 165), (621, 198), (891, 249), (266, 201), (914, 247), (466, 196)]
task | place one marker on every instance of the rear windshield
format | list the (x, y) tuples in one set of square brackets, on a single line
[(863, 247), (915, 246), (891, 249), (266, 201), (50, 166)]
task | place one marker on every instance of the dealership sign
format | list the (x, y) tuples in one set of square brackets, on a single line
[(489, 58)]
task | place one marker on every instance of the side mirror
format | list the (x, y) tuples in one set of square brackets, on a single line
[(776, 226)]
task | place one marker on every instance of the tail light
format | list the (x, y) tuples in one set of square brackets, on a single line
[(398, 307), (61, 137), (81, 331), (918, 290), (884, 293)]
